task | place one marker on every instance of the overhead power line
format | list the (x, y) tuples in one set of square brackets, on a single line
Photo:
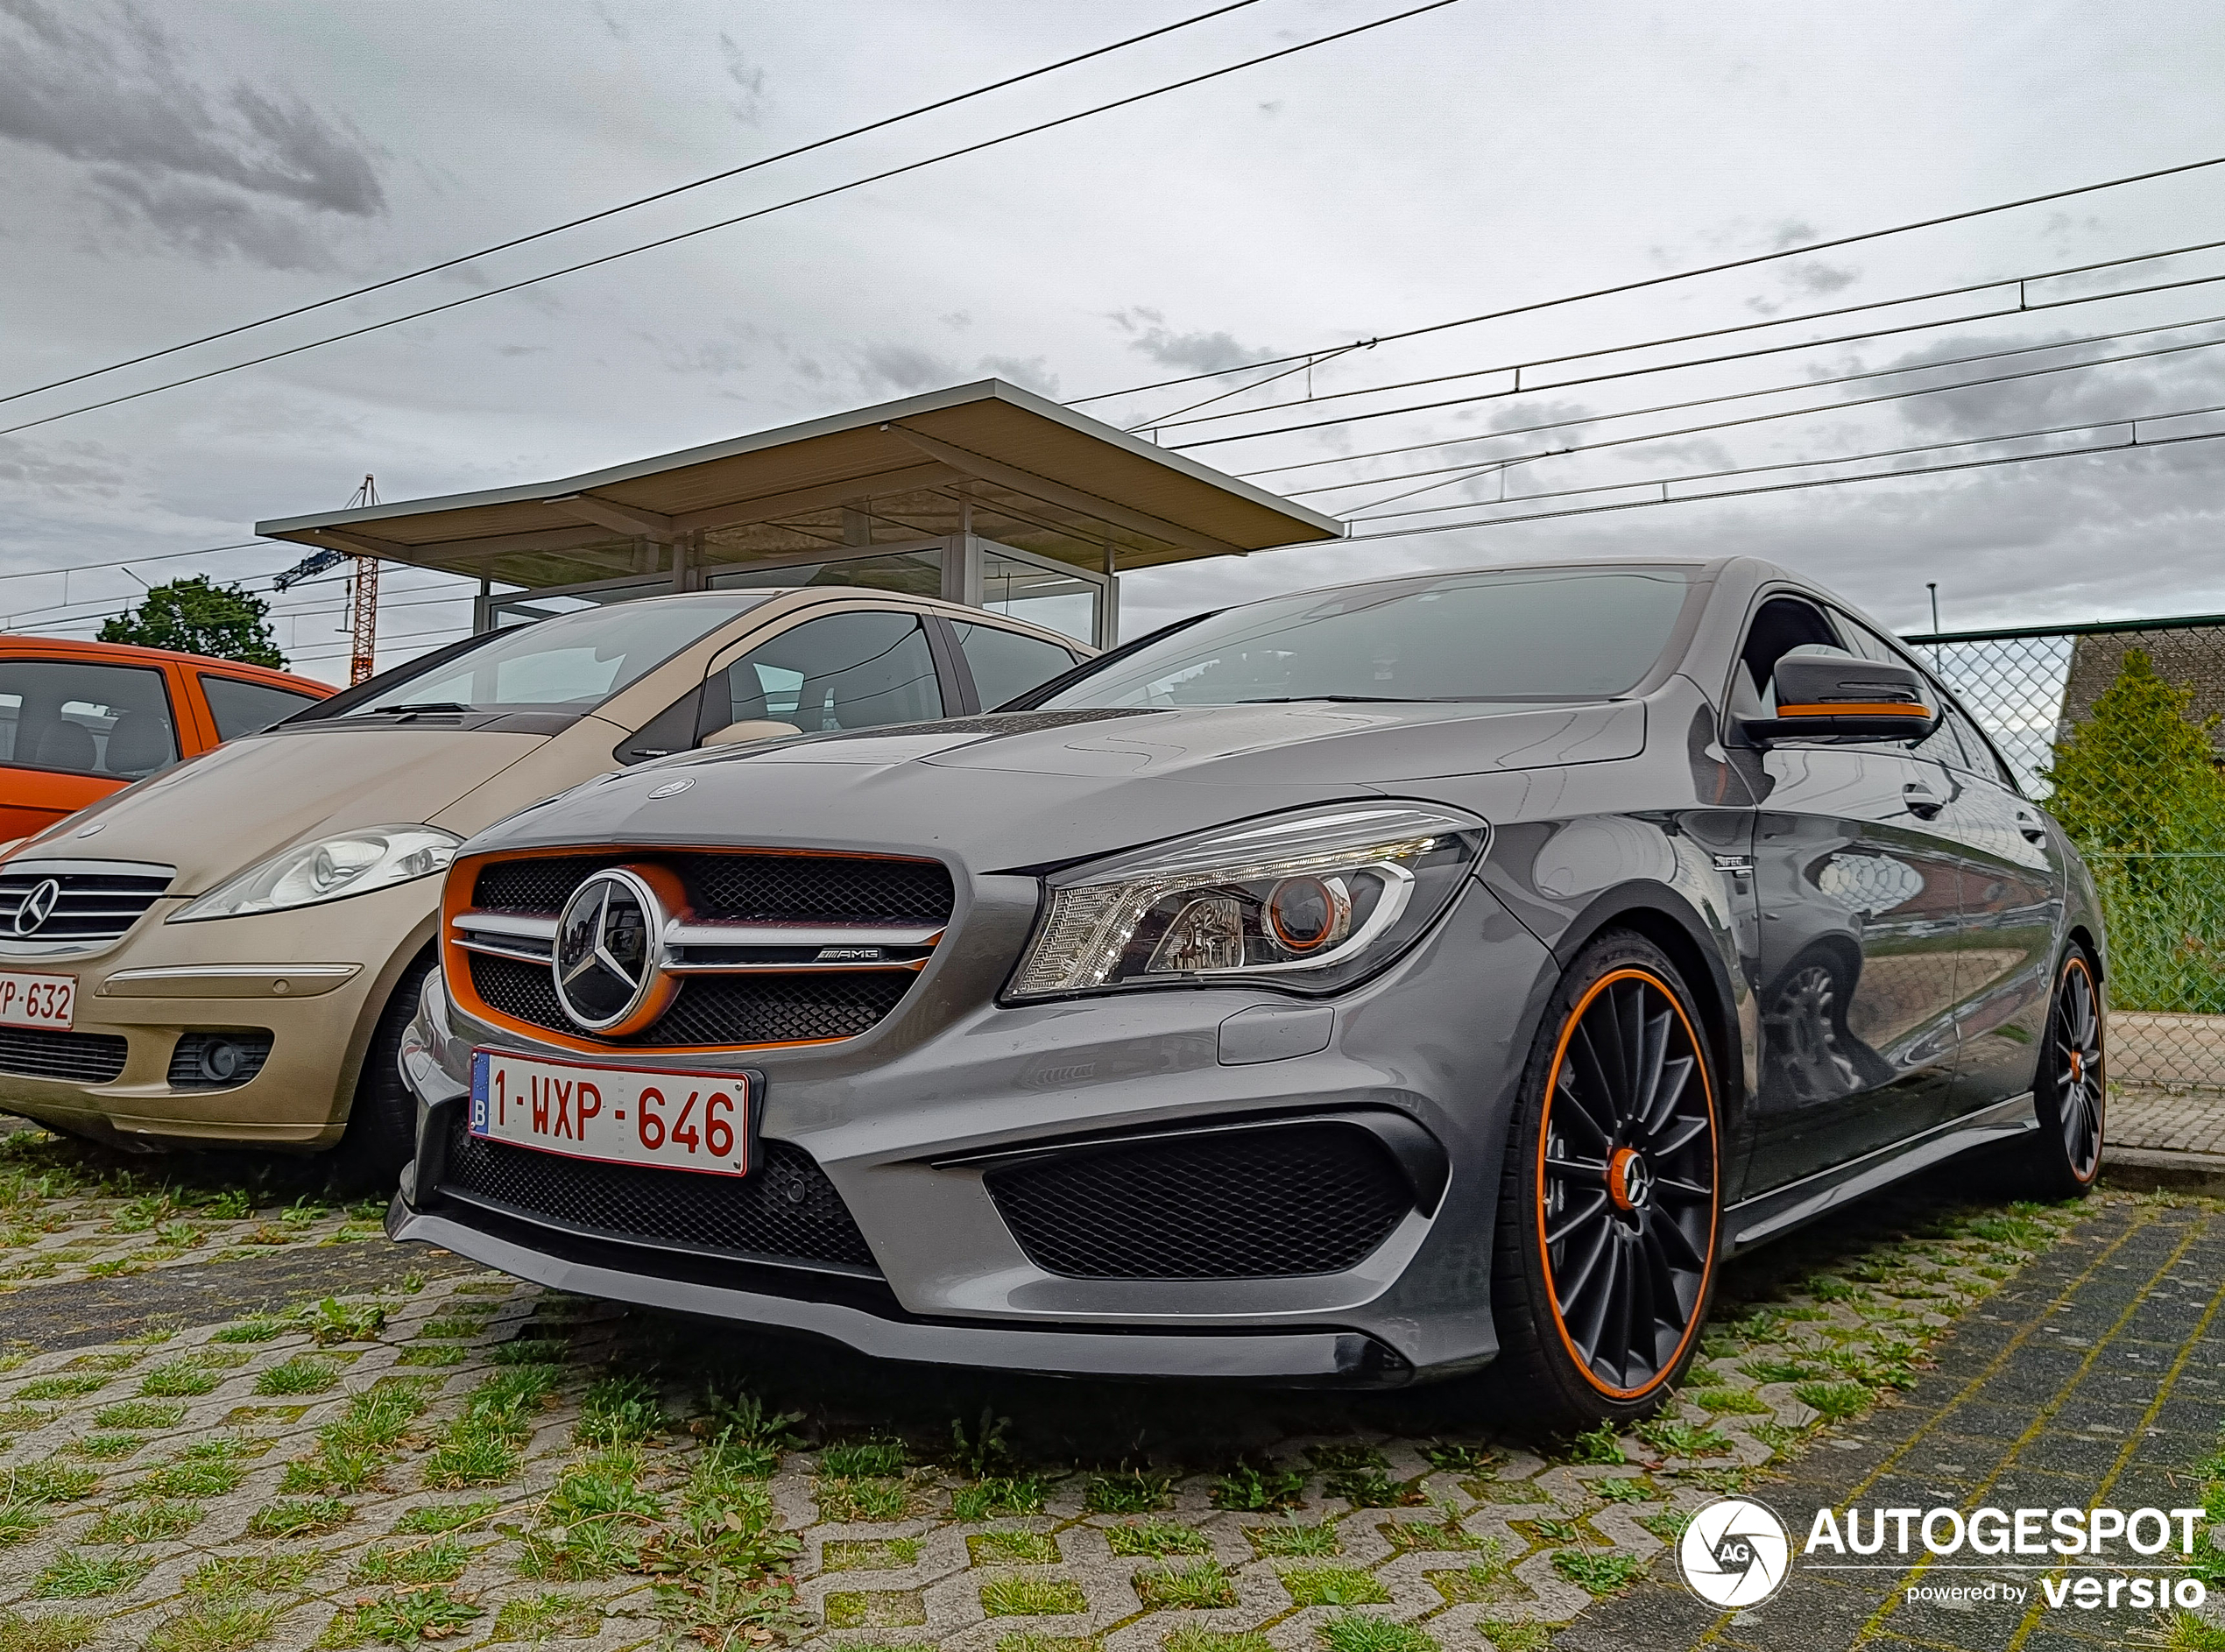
[(1640, 285), (634, 204), (2132, 442), (134, 561), (744, 217)]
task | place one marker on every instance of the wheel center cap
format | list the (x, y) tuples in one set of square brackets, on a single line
[(2078, 1068), (1630, 1184)]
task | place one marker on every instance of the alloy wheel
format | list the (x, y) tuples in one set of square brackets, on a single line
[(2074, 1056), (1626, 1182)]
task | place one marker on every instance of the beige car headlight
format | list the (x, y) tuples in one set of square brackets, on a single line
[(351, 863), (1310, 901)]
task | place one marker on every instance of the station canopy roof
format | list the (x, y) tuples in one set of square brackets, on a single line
[(1024, 470)]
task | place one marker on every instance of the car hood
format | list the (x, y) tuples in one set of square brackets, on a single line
[(1027, 788), (223, 811)]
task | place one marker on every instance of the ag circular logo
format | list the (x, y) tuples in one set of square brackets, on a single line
[(1735, 1553), (607, 940)]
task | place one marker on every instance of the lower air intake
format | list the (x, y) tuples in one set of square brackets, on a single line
[(1305, 1198), (89, 1058), (785, 1211)]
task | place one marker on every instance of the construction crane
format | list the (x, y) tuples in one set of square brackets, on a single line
[(362, 590)]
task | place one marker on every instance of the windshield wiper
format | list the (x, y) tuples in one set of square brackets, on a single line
[(1353, 699), (424, 705)]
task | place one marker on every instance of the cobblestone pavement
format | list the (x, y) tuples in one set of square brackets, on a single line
[(2175, 1120), (2096, 1377), (435, 1454)]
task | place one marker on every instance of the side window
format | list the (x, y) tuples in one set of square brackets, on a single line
[(1956, 742), (112, 720), (249, 707), (1005, 664), (1778, 626), (846, 671)]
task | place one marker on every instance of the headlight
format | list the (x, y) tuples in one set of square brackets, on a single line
[(345, 864), (1310, 901)]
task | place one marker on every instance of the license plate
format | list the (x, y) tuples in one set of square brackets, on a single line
[(675, 1120), (38, 1001)]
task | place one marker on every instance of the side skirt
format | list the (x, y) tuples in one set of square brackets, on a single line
[(1769, 1215)]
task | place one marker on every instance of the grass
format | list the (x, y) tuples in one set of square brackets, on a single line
[(1517, 1637), (402, 1619), (999, 1498), (37, 1483), (74, 1575), (1190, 1637), (606, 1484), (434, 1519), (1373, 1488), (1490, 1579), (875, 1609), (156, 1519), (1836, 1401), (138, 1413), (1427, 1535), (1599, 1445), (333, 1321), (61, 1388), (470, 1459), (1032, 1597), (24, 1416), (429, 1560), (1158, 1537), (17, 1524), (1739, 1401), (527, 1350), (1345, 1456), (1355, 1632), (865, 1500), (256, 1328), (303, 1374), (300, 1517), (621, 1410), (55, 1631), (1132, 1492), (225, 1625), (547, 1617), (877, 1554), (187, 1376), (191, 1477), (1253, 1490), (1682, 1439), (863, 1459), (1293, 1539), (1624, 1489), (433, 1353), (239, 1574), (1332, 1586), (1597, 1573), (1194, 1586), (1013, 1548), (105, 1448)]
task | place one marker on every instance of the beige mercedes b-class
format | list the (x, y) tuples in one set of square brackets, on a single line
[(228, 952)]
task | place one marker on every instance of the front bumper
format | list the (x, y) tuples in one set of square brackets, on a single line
[(902, 1120), (314, 980)]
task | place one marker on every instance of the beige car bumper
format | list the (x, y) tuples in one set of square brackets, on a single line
[(314, 979)]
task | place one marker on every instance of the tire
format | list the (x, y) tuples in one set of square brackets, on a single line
[(381, 1136), (2071, 1091), (1610, 1198)]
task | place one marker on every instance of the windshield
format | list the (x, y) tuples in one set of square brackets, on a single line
[(574, 661), (1525, 634)]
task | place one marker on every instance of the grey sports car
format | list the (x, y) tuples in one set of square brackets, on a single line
[(1363, 985)]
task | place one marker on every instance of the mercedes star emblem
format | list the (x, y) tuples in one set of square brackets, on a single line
[(607, 942), (39, 905)]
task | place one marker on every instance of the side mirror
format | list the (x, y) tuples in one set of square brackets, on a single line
[(1820, 693), (747, 730)]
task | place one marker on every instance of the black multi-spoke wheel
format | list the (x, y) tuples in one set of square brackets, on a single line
[(2071, 1094), (1609, 1204)]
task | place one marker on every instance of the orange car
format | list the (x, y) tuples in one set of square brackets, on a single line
[(79, 720)]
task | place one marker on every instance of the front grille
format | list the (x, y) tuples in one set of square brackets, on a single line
[(91, 906), (760, 1006), (711, 1009), (218, 1060), (1302, 1198), (785, 1211), (742, 888), (90, 1058)]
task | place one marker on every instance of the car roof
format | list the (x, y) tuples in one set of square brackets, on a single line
[(80, 648)]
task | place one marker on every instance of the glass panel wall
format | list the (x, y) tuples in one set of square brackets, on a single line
[(1064, 603)]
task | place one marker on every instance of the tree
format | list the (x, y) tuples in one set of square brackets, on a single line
[(194, 617), (2138, 788)]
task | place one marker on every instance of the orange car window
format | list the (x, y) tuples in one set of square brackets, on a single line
[(113, 721)]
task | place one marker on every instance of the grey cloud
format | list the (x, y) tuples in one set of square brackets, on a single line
[(746, 76), (1032, 373), (902, 367), (956, 321), (1200, 352), (2097, 393), (215, 171), (1790, 232)]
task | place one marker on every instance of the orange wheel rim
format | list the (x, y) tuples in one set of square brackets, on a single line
[(1625, 1184)]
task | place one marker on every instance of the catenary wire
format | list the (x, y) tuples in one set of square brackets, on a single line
[(725, 223), (1658, 280), (638, 201)]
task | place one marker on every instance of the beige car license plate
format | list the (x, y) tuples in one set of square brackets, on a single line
[(675, 1120), (38, 1001)]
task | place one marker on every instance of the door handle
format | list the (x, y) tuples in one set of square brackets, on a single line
[(1922, 801), (2028, 823)]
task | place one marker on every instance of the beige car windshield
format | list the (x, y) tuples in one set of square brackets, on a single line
[(573, 660)]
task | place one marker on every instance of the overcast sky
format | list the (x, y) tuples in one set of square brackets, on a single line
[(169, 170)]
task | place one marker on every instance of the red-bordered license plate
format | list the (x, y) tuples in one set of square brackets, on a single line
[(38, 1001), (674, 1120)]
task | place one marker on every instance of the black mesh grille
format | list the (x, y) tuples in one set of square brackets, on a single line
[(712, 1009), (735, 888), (91, 1058), (786, 1209), (218, 1060), (91, 906), (1250, 1204)]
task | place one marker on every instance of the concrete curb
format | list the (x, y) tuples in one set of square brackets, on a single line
[(2160, 1170)]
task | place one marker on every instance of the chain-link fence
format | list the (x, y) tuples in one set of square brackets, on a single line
[(2121, 728)]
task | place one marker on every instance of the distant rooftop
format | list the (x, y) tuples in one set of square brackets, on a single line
[(987, 458)]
